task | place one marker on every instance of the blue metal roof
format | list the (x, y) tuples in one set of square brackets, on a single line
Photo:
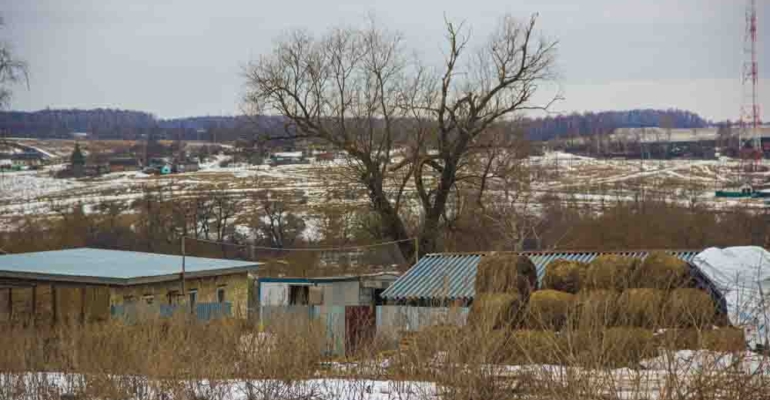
[(453, 276), (110, 264)]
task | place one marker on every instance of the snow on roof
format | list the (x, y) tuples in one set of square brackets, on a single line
[(110, 264)]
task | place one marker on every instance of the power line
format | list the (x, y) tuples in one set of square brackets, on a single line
[(304, 248)]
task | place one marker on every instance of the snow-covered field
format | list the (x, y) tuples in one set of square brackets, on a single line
[(582, 179)]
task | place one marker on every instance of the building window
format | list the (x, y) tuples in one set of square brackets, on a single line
[(173, 297), (192, 298), (148, 298), (129, 299), (220, 295), (298, 295)]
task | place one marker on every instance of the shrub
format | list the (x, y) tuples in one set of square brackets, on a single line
[(597, 309)]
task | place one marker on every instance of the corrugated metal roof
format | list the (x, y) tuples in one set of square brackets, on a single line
[(110, 264), (452, 276)]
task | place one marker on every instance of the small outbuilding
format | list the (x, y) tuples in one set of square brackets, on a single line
[(79, 282)]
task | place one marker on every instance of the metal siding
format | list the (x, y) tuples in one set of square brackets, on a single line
[(425, 280)]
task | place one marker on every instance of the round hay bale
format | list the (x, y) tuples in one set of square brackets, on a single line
[(549, 309), (626, 346), (641, 307), (661, 270), (537, 347), (610, 272), (689, 308), (565, 276), (495, 310), (730, 340), (597, 309), (679, 339), (506, 273)]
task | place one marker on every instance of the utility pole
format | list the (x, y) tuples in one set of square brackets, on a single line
[(183, 266)]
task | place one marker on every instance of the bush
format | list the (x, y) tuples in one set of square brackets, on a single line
[(641, 307), (549, 309), (610, 272), (661, 270), (565, 276)]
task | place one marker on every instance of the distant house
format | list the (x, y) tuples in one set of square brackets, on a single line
[(124, 164), (27, 159), (287, 158), (325, 157), (53, 284), (187, 166)]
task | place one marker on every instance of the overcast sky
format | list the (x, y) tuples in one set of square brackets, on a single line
[(179, 58)]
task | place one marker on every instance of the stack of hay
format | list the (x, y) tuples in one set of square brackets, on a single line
[(607, 311), (503, 286)]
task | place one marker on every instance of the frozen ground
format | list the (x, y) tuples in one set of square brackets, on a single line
[(582, 179)]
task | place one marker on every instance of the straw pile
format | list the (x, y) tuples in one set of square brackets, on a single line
[(597, 309), (660, 270), (626, 346), (689, 308), (549, 309), (494, 310), (679, 339), (506, 273), (565, 276), (724, 340), (640, 307), (610, 272)]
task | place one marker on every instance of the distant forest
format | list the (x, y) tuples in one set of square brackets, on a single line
[(126, 124)]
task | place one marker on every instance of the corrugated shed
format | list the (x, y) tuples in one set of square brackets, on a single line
[(452, 276)]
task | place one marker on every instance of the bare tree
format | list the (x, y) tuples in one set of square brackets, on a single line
[(12, 71), (406, 128)]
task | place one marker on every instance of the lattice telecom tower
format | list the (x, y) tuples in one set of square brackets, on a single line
[(750, 112)]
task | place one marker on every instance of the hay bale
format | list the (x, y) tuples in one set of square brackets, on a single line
[(597, 309), (626, 346), (661, 270), (537, 347), (689, 308), (679, 339), (565, 276), (506, 273), (610, 272), (549, 309), (495, 311), (730, 340), (641, 307)]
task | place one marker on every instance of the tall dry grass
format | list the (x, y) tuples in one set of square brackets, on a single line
[(231, 359)]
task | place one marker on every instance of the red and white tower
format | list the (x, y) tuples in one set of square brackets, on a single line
[(750, 112)]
